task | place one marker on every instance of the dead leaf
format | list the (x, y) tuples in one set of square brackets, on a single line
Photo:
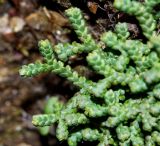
[(92, 7), (46, 20), (16, 24)]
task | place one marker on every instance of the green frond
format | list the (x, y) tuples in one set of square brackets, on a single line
[(122, 31), (123, 133), (75, 119), (79, 25), (75, 138), (156, 137), (151, 4), (62, 131), (90, 135), (33, 69), (64, 51), (120, 108), (46, 50), (44, 120), (145, 18)]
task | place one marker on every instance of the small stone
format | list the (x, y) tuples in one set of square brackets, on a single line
[(4, 28)]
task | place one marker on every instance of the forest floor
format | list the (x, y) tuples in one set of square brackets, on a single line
[(22, 24)]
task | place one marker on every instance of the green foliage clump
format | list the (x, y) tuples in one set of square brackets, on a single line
[(123, 108)]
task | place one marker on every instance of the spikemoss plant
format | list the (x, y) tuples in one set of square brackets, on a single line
[(123, 108)]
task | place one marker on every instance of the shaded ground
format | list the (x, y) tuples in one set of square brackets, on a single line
[(22, 24)]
